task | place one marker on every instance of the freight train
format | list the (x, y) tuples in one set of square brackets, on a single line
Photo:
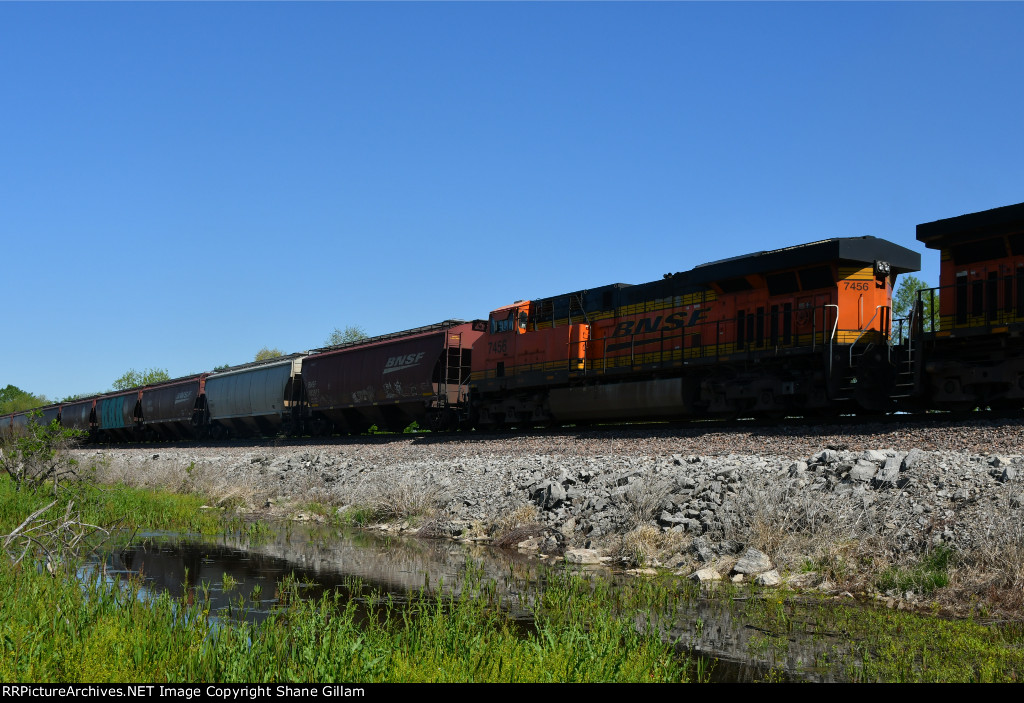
[(804, 330)]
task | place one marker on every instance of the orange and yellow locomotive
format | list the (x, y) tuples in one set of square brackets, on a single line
[(768, 333)]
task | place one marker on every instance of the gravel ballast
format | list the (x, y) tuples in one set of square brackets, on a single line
[(704, 494)]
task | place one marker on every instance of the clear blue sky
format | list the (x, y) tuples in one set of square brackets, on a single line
[(183, 183)]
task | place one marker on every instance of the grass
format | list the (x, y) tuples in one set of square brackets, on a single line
[(54, 630), (927, 576), (131, 508), (860, 642), (358, 516)]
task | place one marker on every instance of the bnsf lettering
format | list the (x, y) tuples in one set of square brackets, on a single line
[(405, 360), (648, 324)]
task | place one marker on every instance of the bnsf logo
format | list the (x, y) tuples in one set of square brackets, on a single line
[(653, 324), (397, 363)]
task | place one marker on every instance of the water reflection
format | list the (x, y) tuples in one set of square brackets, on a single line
[(240, 578), (235, 573)]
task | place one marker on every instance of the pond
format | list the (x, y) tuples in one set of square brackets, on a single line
[(239, 573)]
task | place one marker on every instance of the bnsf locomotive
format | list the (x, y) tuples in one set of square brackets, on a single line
[(969, 350), (802, 330)]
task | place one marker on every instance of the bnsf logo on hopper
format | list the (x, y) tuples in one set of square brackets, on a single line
[(405, 361)]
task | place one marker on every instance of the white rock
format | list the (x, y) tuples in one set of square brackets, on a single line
[(706, 576), (583, 556)]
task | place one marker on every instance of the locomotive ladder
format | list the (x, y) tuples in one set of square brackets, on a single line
[(906, 381), (906, 373), (903, 358), (453, 369)]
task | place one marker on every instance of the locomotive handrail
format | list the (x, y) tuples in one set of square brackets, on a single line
[(864, 331), (932, 326), (832, 336), (931, 310)]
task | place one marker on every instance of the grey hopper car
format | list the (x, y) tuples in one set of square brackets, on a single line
[(255, 399)]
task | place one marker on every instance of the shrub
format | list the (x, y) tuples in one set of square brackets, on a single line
[(40, 455)]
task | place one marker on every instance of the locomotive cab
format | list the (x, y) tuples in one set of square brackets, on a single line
[(522, 353), (504, 325), (517, 344)]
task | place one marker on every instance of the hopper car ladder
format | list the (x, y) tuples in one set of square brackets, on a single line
[(455, 368)]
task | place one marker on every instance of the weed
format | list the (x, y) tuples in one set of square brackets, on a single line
[(40, 455), (357, 516), (524, 514), (258, 532), (930, 574), (643, 501), (406, 499), (640, 545)]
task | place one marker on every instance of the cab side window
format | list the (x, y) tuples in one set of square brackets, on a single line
[(505, 325)]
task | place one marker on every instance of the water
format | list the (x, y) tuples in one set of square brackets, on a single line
[(232, 568), (239, 577)]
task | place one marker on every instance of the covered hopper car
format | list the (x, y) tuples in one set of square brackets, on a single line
[(419, 375)]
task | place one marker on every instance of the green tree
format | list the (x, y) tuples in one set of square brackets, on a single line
[(134, 379), (905, 297), (14, 400), (265, 353), (352, 333)]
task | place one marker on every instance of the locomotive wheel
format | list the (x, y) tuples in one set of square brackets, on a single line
[(442, 420)]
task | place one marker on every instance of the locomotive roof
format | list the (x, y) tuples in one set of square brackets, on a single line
[(976, 225), (865, 250)]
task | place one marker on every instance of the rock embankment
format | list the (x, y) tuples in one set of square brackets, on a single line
[(685, 499)]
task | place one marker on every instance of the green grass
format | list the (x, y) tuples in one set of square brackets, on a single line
[(926, 577), (358, 516), (861, 642), (107, 505), (52, 629)]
